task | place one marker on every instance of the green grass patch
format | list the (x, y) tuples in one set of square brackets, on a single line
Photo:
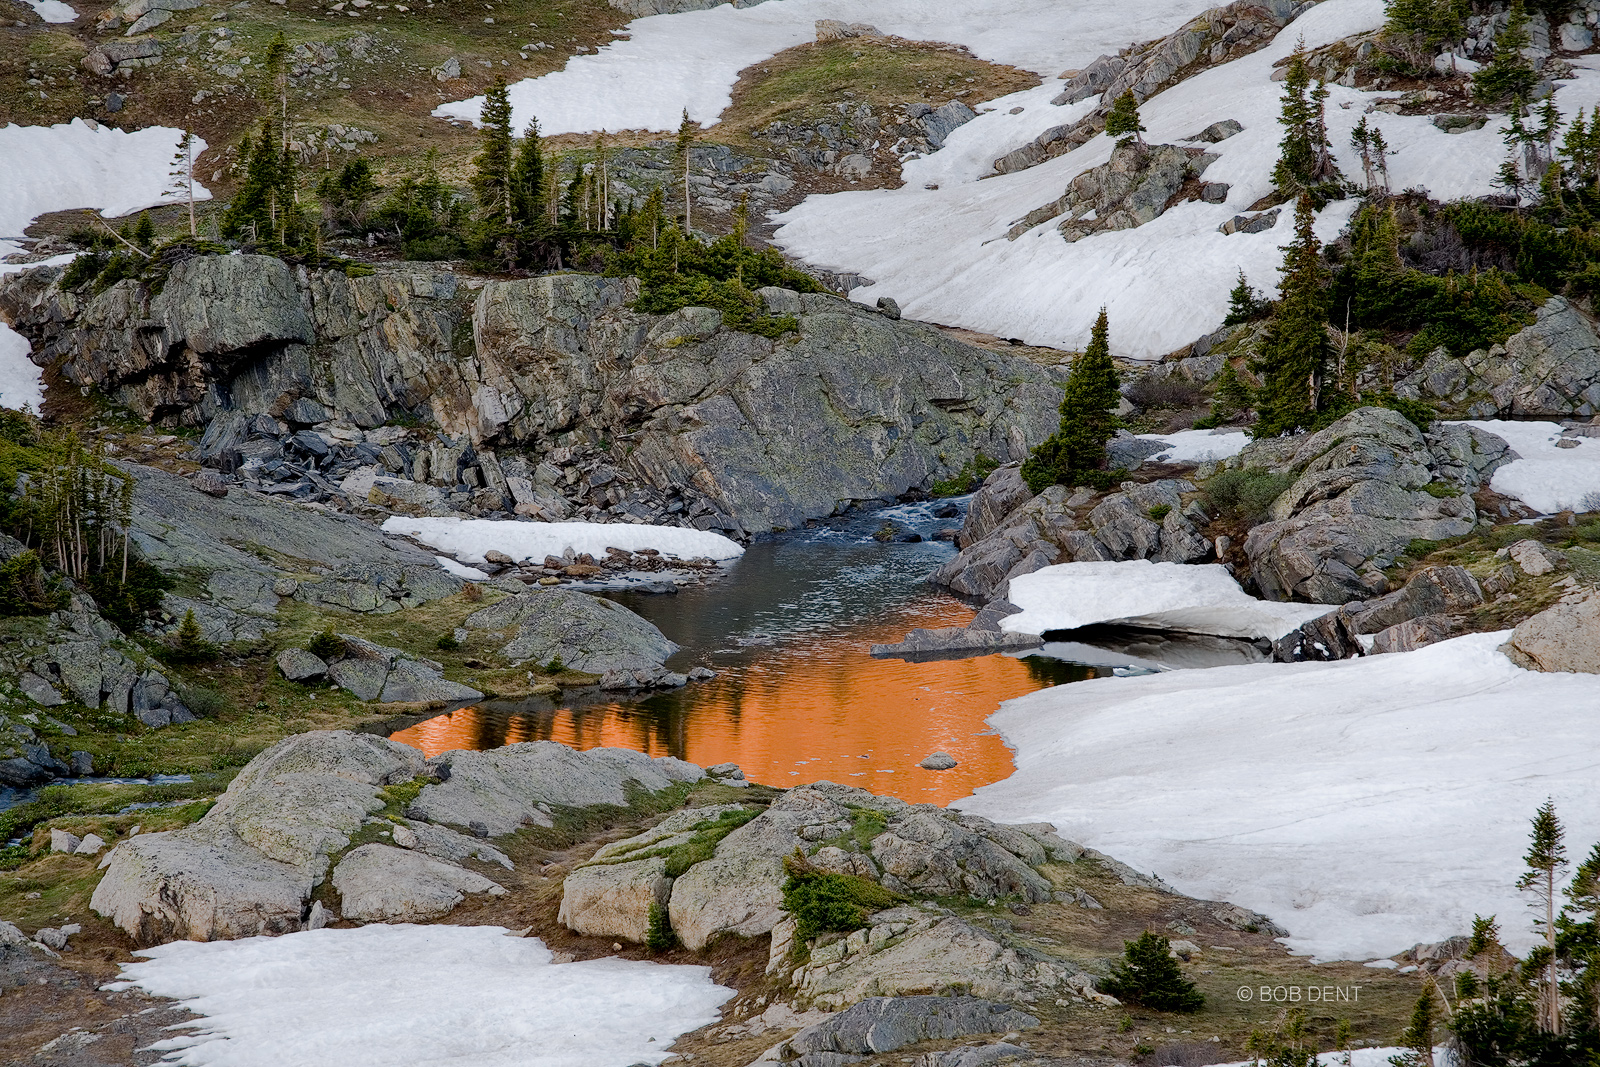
[(59, 801), (967, 479), (865, 824), (1245, 493), (1442, 490)]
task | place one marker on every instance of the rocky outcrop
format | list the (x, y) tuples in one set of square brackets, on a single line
[(890, 1023), (1134, 187), (249, 865), (851, 141), (1150, 520), (1216, 36), (1565, 637), (375, 672), (586, 633), (955, 641), (1550, 369), (504, 789), (1364, 488), (854, 405)]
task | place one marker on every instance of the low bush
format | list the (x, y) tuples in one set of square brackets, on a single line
[(1169, 393), (326, 645), (1245, 494), (824, 901)]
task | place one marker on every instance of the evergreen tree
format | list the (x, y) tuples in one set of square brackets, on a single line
[(1295, 350), (1508, 73), (1304, 158), (1076, 453), (685, 150), (1417, 1039), (1244, 303), (1361, 141), (1230, 397), (1147, 975), (1419, 27), (345, 195), (1123, 120), (528, 186), (181, 174), (1546, 859), (144, 232), (491, 180), (275, 85)]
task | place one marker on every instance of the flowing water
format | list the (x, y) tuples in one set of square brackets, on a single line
[(798, 698)]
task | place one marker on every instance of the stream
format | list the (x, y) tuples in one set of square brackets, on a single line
[(798, 698)]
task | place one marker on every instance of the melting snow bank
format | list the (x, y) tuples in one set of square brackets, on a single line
[(1188, 598), (691, 60), (1362, 1057), (417, 995), (21, 384), (1547, 478), (1365, 805), (469, 539)]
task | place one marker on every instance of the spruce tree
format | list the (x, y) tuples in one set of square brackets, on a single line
[(1230, 396), (181, 174), (1148, 976), (528, 186), (144, 232), (1297, 155), (1508, 73), (492, 179), (1244, 303), (1076, 453), (1123, 120), (1546, 860), (1417, 1039), (1295, 350)]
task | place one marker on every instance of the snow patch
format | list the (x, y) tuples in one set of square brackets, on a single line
[(667, 63), (1366, 805), (74, 164), (419, 996), (1546, 478), (1190, 598), (461, 570), (52, 11), (469, 539), (1198, 446)]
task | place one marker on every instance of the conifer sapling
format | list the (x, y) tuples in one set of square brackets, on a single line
[(1123, 120), (1076, 453), (1546, 860), (1150, 977)]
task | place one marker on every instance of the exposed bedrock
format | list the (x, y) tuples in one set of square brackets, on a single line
[(854, 405)]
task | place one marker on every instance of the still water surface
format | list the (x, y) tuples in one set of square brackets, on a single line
[(797, 697)]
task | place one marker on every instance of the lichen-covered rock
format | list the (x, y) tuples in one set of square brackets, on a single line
[(586, 633), (889, 1023), (381, 883), (248, 865), (507, 787), (1360, 496), (298, 665), (1550, 369), (1565, 637), (614, 899), (1132, 188)]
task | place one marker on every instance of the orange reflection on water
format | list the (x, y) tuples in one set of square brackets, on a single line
[(817, 709)]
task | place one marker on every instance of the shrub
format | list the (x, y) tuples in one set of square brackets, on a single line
[(207, 703), (25, 589), (967, 479), (447, 643), (1245, 494), (555, 666), (1442, 490), (1149, 977), (1159, 512), (126, 603), (1171, 393), (472, 592), (824, 901), (326, 645)]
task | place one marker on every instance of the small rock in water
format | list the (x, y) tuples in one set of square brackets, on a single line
[(701, 674), (938, 761)]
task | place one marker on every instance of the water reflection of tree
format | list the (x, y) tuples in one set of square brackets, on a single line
[(1047, 671)]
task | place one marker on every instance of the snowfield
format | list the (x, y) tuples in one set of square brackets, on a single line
[(1189, 598), (667, 63), (469, 539), (942, 253), (417, 996), (1365, 805), (1546, 478), (52, 10), (54, 168)]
